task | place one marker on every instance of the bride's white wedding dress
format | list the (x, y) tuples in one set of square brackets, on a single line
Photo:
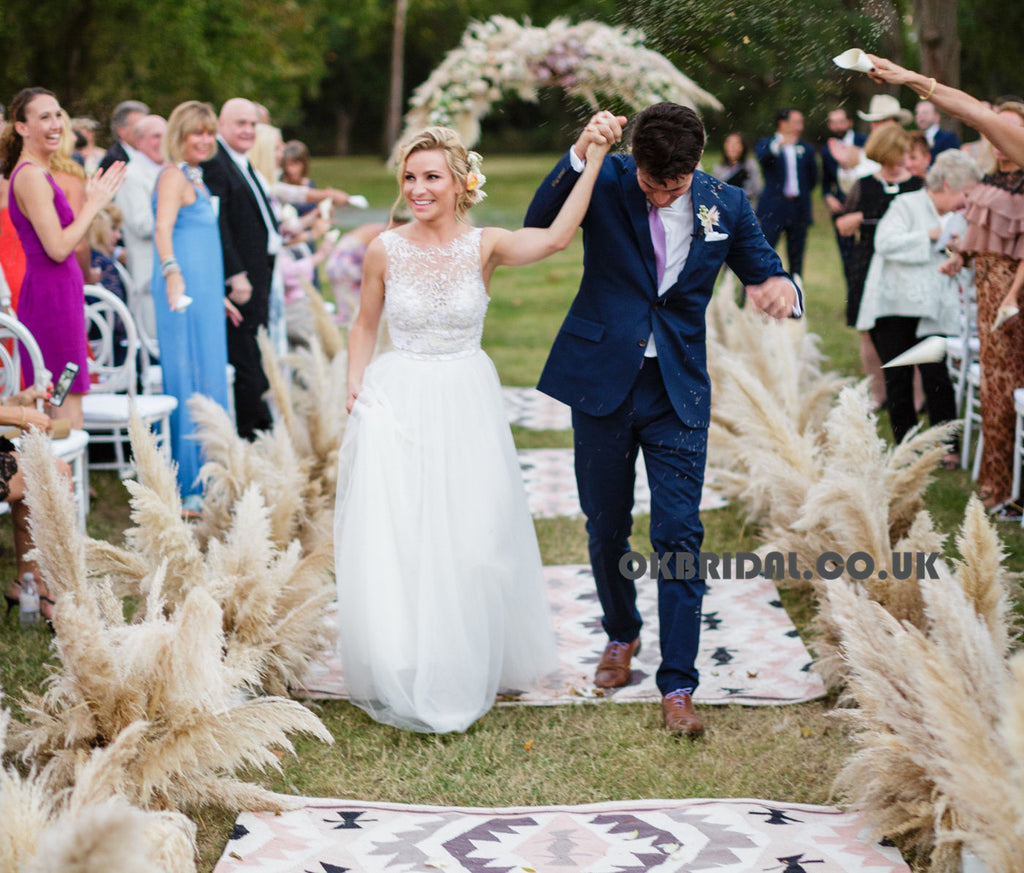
[(441, 597)]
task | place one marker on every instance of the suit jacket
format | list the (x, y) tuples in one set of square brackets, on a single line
[(243, 233), (135, 200), (599, 350), (116, 152), (830, 170), (944, 140), (774, 168)]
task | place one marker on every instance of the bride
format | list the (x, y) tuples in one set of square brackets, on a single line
[(441, 597)]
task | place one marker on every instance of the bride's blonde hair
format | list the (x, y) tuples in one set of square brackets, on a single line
[(442, 139)]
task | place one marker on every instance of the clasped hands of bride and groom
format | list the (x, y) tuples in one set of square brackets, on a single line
[(630, 359)]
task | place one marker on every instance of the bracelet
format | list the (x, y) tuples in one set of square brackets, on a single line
[(169, 266), (930, 90)]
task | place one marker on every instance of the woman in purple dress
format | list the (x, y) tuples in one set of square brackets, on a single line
[(52, 304)]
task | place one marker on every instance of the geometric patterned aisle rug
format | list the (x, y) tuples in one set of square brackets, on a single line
[(550, 482), (750, 653), (667, 836), (529, 408)]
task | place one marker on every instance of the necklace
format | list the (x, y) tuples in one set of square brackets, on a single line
[(890, 187), (193, 174)]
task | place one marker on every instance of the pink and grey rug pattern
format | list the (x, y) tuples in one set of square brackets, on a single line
[(750, 651), (640, 836)]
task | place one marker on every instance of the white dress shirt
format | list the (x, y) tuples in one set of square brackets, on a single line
[(677, 219)]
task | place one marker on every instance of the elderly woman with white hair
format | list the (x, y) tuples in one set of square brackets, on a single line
[(906, 298)]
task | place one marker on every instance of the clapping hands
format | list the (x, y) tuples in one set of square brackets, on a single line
[(101, 188)]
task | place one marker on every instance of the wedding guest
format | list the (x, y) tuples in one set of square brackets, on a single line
[(19, 411), (994, 243), (841, 162), (1002, 133), (926, 116), (295, 163), (122, 124), (135, 200), (188, 285), (865, 205), (906, 298), (290, 181), (70, 176), (441, 594), (250, 240), (630, 361), (739, 167), (344, 267), (103, 237), (91, 153), (919, 155), (884, 109), (52, 304), (12, 256), (790, 175)]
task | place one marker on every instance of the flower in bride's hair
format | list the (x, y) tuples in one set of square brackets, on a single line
[(475, 180)]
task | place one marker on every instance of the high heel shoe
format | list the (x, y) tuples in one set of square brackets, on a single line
[(12, 602)]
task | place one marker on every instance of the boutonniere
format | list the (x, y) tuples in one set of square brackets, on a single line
[(708, 218), (800, 151)]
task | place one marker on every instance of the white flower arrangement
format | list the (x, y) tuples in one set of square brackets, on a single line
[(500, 57)]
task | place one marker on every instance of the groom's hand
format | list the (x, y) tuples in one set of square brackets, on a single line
[(775, 297), (603, 129)]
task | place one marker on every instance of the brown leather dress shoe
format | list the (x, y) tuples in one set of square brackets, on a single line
[(680, 716), (613, 668)]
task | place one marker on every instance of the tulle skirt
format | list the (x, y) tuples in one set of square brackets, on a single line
[(441, 598)]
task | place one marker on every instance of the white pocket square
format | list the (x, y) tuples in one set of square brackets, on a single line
[(715, 236)]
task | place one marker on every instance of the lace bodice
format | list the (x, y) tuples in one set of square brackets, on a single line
[(435, 299)]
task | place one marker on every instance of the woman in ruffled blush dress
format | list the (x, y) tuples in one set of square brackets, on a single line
[(441, 596)]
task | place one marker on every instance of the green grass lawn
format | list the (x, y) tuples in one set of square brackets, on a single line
[(578, 754)]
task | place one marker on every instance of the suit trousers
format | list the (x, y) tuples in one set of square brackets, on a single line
[(893, 335), (787, 215), (674, 455)]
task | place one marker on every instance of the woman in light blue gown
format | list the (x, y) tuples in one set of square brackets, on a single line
[(188, 284)]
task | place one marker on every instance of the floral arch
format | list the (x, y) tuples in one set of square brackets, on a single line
[(499, 57)]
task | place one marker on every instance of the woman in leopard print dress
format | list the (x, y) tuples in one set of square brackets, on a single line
[(995, 242)]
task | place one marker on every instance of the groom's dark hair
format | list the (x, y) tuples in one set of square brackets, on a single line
[(667, 141)]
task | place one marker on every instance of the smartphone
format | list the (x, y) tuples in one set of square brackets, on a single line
[(60, 390)]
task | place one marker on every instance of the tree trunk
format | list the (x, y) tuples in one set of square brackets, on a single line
[(393, 125), (940, 40), (940, 43), (342, 131)]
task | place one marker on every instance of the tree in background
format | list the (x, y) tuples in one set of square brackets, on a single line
[(95, 54), (322, 66)]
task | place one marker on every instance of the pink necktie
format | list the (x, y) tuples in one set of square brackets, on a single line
[(658, 238)]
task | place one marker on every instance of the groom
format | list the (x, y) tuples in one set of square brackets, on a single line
[(630, 359)]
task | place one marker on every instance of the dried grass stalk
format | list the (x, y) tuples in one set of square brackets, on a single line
[(167, 673)]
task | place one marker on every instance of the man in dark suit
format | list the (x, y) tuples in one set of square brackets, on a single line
[(790, 173), (122, 124), (839, 159), (250, 240), (926, 117), (630, 360)]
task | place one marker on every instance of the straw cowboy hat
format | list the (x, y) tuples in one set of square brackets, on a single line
[(883, 107)]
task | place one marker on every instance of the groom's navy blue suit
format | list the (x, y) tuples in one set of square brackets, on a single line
[(622, 401)]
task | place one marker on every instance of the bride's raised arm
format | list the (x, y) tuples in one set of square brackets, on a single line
[(529, 244)]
